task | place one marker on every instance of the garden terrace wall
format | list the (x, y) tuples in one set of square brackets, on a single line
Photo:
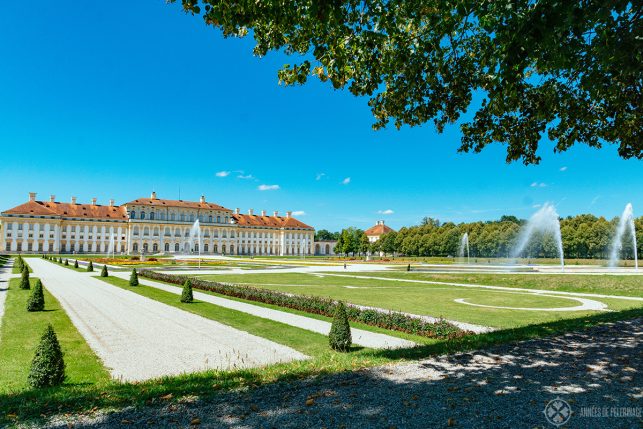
[(317, 305)]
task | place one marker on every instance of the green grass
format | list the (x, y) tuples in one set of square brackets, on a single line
[(20, 333), (31, 405), (425, 299), (627, 285)]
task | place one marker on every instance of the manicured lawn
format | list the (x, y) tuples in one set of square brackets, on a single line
[(30, 405), (20, 333), (425, 299), (628, 285)]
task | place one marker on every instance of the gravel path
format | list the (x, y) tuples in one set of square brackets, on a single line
[(5, 275), (597, 371), (360, 337), (138, 338)]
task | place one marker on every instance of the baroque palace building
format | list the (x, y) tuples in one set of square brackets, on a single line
[(149, 226)]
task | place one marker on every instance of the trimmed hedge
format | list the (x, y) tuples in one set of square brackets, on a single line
[(318, 305)]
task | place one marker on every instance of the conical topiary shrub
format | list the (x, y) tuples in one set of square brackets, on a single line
[(76, 263), (339, 337), (133, 278), (90, 266), (19, 263), (36, 301), (48, 366), (186, 295), (103, 272), (60, 260), (66, 262), (24, 281)]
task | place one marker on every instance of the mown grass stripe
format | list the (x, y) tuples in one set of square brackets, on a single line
[(20, 334)]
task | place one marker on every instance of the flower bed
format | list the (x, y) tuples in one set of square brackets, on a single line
[(317, 305)]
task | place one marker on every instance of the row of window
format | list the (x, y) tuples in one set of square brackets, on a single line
[(181, 217)]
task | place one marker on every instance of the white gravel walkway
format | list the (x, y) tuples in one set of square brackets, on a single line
[(138, 338), (360, 337), (5, 275)]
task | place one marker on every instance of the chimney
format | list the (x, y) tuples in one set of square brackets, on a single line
[(73, 200), (52, 198), (202, 199), (153, 196), (288, 214), (32, 196), (111, 203), (275, 213), (94, 201), (263, 212), (251, 212), (237, 210)]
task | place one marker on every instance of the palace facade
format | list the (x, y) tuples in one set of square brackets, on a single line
[(149, 226)]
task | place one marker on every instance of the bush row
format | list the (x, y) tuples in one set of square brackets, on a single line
[(318, 305)]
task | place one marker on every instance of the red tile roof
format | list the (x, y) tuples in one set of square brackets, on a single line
[(177, 203), (89, 211), (269, 221), (378, 230)]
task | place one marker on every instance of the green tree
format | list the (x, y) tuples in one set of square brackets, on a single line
[(76, 263), (566, 70), (133, 278), (103, 271), (90, 266), (19, 263), (66, 262), (24, 280), (340, 338), (325, 235), (48, 366), (36, 301), (186, 294)]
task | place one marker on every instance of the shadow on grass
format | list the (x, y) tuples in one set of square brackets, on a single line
[(35, 404)]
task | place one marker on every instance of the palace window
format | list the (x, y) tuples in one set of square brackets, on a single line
[(133, 215), (155, 247), (152, 216), (226, 219), (176, 247), (209, 219), (218, 219), (167, 247), (142, 215)]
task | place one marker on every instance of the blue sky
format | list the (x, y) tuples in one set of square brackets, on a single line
[(114, 100)]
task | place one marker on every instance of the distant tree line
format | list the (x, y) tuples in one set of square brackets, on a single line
[(583, 236)]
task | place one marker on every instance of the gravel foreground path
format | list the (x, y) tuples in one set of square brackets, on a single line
[(597, 371), (138, 338), (359, 336), (5, 276)]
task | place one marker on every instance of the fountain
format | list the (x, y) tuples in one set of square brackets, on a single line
[(544, 221), (195, 234), (464, 245), (111, 246), (625, 224)]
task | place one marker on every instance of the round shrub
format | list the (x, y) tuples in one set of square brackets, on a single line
[(48, 366), (339, 337), (186, 295), (24, 280), (133, 278), (36, 301), (103, 272)]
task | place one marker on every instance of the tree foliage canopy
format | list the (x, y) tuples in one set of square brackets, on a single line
[(568, 70)]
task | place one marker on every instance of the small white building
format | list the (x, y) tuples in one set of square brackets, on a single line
[(376, 231)]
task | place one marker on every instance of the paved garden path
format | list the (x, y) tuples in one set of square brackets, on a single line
[(360, 337), (598, 371), (138, 338), (5, 275)]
